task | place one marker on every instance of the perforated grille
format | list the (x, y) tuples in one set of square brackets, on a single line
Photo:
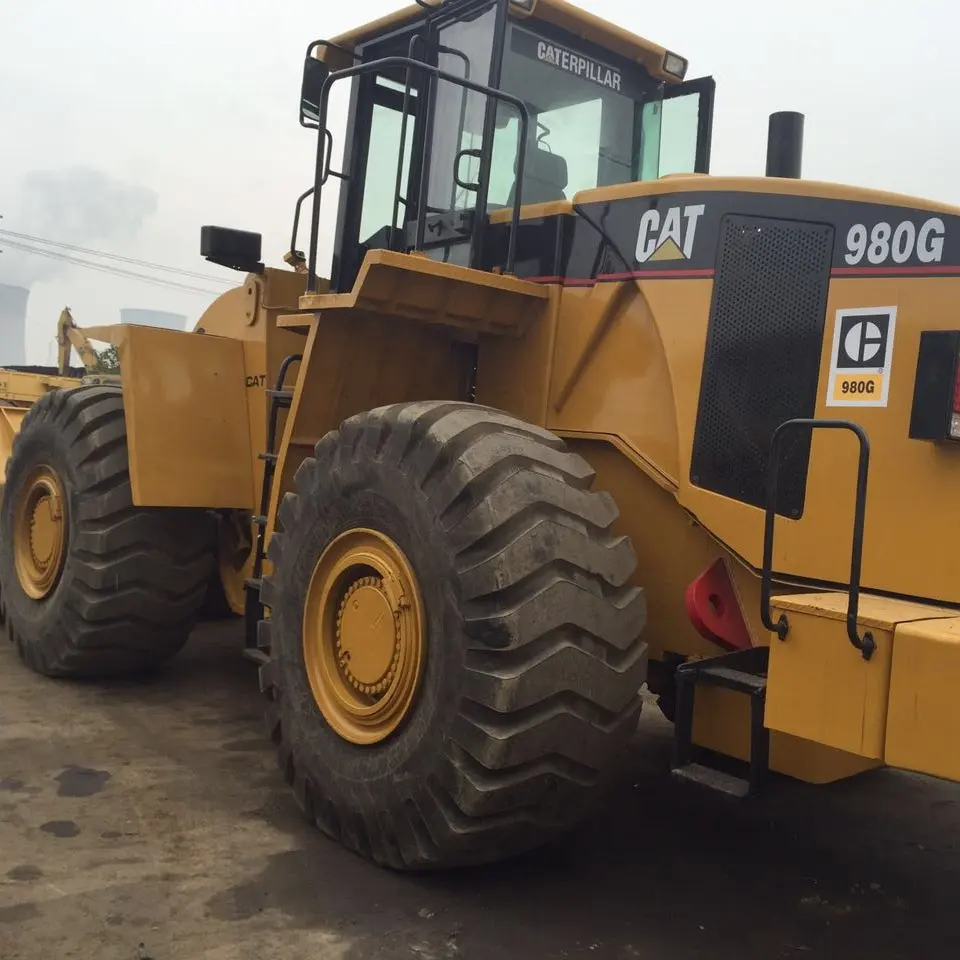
[(762, 357)]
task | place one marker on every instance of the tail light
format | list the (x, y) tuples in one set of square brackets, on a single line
[(955, 411), (936, 390)]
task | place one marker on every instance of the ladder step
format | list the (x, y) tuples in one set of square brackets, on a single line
[(712, 779), (744, 672), (259, 657), (282, 398), (732, 679)]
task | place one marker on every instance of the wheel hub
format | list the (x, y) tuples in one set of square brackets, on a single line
[(368, 636), (363, 641), (40, 533)]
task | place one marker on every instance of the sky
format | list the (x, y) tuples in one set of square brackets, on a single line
[(126, 126)]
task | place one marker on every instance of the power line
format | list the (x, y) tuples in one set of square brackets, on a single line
[(112, 270), (109, 269), (114, 256)]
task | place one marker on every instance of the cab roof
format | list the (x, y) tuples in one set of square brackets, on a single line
[(560, 13)]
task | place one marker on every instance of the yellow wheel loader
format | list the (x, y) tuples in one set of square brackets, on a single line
[(568, 416), (22, 386)]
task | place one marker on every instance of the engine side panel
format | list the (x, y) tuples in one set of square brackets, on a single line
[(762, 356), (734, 327)]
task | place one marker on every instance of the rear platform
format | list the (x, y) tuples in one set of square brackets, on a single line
[(899, 707)]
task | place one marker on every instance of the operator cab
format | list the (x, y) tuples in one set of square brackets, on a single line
[(428, 161)]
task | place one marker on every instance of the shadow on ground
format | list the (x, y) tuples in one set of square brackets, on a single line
[(173, 792)]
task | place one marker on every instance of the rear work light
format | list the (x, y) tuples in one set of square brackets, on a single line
[(936, 390), (675, 65)]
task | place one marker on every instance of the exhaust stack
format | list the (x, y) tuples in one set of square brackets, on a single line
[(785, 144)]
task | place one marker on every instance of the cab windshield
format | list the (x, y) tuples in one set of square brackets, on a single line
[(594, 120), (586, 120)]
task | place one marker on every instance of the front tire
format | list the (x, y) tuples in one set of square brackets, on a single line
[(92, 585), (529, 655)]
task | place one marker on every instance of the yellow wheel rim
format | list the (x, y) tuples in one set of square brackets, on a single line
[(363, 635), (40, 533), (236, 561)]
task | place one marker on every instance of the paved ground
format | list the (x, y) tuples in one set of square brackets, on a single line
[(152, 813)]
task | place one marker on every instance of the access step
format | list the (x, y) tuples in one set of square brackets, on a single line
[(281, 398), (744, 672), (717, 780), (731, 679)]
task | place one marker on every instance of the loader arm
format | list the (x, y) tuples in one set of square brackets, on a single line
[(70, 336)]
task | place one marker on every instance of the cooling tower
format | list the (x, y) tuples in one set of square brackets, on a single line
[(13, 325), (153, 318)]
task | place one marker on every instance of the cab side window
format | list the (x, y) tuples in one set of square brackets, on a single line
[(380, 183), (670, 135)]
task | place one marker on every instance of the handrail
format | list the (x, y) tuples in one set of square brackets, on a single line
[(296, 218), (865, 644), (411, 49), (435, 73)]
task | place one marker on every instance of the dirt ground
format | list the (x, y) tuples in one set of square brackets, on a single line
[(148, 820)]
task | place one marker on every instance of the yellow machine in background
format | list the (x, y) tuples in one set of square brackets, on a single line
[(71, 337), (568, 416), (20, 387)]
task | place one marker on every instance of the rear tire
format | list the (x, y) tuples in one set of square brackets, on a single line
[(132, 579), (226, 593), (533, 659)]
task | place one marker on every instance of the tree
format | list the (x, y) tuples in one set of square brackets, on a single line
[(108, 360)]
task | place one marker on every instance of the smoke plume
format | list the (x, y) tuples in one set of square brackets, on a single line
[(79, 205)]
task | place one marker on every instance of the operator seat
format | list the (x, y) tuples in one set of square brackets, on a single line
[(544, 178)]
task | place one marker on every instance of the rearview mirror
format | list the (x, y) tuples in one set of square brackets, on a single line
[(234, 249), (315, 72)]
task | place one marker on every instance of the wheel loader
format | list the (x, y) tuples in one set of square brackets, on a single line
[(568, 419), (21, 386)]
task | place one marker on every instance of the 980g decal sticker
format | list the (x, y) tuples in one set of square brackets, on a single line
[(860, 357), (898, 243)]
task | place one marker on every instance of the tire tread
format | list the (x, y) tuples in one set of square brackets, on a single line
[(135, 577), (551, 624)]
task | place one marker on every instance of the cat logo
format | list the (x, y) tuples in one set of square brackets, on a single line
[(670, 236), (547, 54), (861, 356)]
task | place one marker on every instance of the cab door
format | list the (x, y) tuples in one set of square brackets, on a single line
[(379, 189), (678, 129), (433, 204), (457, 158)]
